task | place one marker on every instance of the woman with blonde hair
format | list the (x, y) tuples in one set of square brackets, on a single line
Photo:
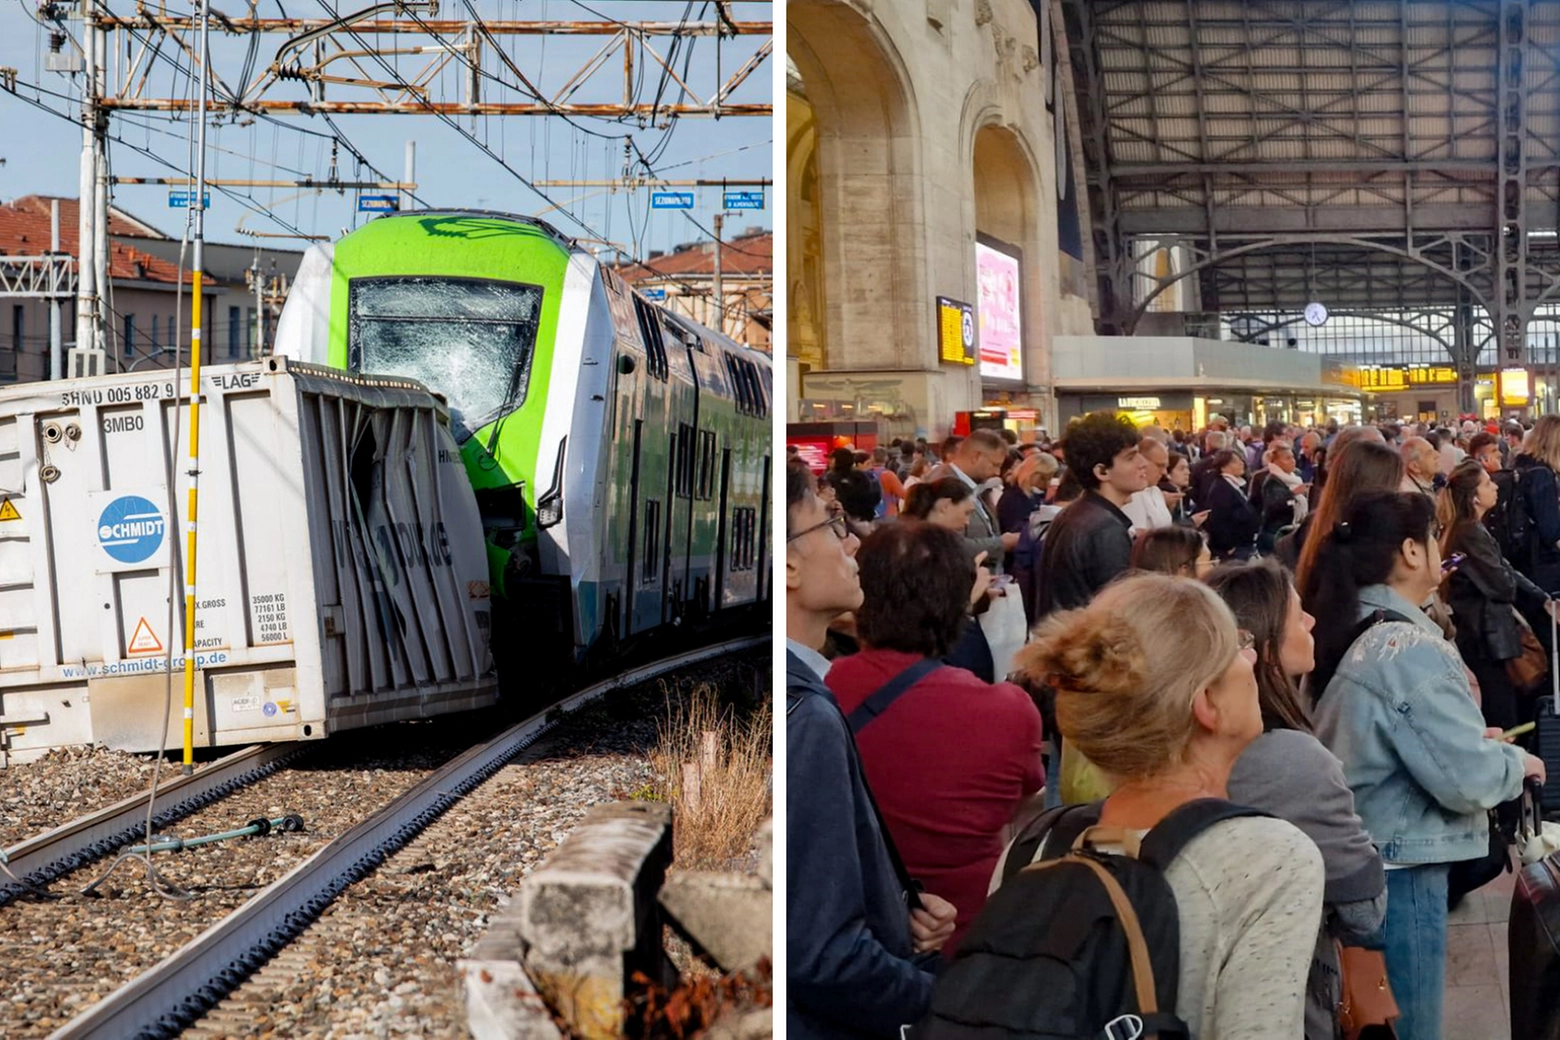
[(1154, 684), (1536, 492)]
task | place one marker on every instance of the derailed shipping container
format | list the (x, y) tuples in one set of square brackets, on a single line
[(341, 573)]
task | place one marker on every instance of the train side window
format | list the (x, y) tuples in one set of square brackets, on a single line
[(744, 388), (650, 332), (738, 387), (744, 526), (752, 381), (706, 464), (757, 386), (685, 460), (652, 542)]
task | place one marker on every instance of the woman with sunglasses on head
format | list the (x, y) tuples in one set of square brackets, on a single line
[(1396, 708), (1290, 774), (1181, 551)]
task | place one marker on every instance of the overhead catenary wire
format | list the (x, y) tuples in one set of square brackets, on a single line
[(455, 125), (247, 200), (638, 228)]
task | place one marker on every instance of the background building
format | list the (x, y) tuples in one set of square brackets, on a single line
[(684, 280), (929, 158), (1279, 177), (146, 324)]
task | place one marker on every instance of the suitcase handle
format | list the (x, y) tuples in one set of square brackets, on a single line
[(1530, 819)]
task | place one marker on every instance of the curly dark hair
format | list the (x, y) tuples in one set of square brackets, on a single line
[(916, 580), (1095, 440)]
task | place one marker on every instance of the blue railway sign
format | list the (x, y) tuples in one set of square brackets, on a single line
[(379, 203), (181, 199), (653, 294), (744, 200), (671, 200)]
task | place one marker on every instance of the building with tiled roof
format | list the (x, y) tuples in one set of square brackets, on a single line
[(684, 281), (144, 282)]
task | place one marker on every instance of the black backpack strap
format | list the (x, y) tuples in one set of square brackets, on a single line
[(912, 887), (1049, 836), (1172, 834), (890, 692)]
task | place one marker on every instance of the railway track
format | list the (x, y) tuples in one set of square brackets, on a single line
[(302, 874), (50, 856)]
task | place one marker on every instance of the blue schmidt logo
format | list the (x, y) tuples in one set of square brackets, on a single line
[(130, 529)]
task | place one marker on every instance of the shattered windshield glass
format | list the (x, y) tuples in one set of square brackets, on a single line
[(469, 339)]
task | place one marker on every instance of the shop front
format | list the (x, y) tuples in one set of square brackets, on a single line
[(1184, 383), (1168, 411), (1192, 412)]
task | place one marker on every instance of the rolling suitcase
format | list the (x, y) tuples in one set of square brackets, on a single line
[(1546, 742), (1533, 939)]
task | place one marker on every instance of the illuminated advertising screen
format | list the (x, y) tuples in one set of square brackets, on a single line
[(998, 273)]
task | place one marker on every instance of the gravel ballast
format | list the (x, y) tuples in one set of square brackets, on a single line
[(381, 959)]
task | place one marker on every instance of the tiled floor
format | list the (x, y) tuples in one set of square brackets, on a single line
[(1477, 1005)]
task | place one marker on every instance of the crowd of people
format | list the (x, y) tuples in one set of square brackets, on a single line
[(1333, 627)]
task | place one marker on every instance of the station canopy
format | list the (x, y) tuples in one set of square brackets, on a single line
[(1397, 161)]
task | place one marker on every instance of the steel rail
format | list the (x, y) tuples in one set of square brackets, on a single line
[(48, 856), (174, 994)]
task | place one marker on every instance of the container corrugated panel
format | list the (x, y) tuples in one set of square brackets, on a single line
[(341, 574)]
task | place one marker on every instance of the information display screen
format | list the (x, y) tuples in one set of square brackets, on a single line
[(999, 274), (955, 332)]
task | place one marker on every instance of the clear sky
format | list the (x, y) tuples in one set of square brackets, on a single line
[(41, 152)]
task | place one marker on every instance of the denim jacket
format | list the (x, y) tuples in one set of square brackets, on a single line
[(1400, 716)]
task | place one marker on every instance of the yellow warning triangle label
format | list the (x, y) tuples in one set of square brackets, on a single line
[(8, 511), (145, 640)]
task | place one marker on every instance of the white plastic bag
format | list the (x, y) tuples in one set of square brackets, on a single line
[(1006, 630), (1541, 845)]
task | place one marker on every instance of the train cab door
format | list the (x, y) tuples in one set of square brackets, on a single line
[(649, 465)]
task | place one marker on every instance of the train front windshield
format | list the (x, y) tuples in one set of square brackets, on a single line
[(469, 339)]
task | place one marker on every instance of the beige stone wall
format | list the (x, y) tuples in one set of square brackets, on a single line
[(930, 125)]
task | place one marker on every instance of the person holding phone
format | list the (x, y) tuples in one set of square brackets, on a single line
[(1396, 708), (1490, 598)]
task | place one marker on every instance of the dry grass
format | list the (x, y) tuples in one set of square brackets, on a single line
[(714, 769)]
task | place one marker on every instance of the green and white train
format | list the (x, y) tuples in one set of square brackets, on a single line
[(620, 453)]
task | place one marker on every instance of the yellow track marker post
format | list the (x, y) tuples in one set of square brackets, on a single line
[(198, 204)]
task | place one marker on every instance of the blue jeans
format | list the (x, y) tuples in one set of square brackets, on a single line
[(1415, 935), (1053, 774)]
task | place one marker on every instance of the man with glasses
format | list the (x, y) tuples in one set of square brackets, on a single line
[(1149, 509), (855, 922)]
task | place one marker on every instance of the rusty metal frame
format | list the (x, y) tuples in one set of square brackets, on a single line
[(315, 43)]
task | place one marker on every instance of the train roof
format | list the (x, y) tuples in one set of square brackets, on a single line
[(491, 214)]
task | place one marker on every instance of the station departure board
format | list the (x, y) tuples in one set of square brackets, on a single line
[(955, 332)]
